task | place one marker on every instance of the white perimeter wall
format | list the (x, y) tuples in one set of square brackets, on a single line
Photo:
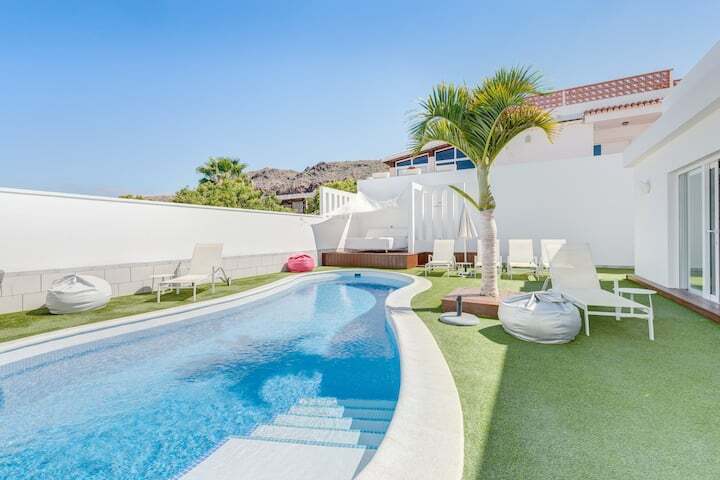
[(586, 199), (42, 231)]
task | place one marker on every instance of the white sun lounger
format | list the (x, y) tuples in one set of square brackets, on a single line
[(573, 275), (205, 264), (548, 249), (521, 255), (443, 256)]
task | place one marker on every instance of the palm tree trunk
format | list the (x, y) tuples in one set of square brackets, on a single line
[(488, 247), (488, 233)]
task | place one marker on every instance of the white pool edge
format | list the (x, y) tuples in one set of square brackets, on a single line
[(425, 437)]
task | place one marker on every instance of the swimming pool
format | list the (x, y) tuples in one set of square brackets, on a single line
[(152, 403)]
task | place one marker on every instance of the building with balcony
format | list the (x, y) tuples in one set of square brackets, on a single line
[(596, 120)]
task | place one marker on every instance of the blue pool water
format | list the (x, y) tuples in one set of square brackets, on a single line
[(150, 404)]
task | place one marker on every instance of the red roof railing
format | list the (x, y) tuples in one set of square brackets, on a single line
[(599, 91)]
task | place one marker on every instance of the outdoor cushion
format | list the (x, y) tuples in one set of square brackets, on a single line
[(300, 262), (379, 239), (77, 293), (540, 317), (378, 243)]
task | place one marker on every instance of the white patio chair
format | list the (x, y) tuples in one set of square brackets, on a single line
[(443, 256), (478, 258), (573, 274), (521, 255), (548, 249), (205, 264)]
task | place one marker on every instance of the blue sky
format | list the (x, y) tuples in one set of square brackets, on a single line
[(110, 97)]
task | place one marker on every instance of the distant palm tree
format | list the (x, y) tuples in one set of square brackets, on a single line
[(481, 121), (219, 169)]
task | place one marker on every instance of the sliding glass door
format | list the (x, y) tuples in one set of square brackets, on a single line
[(695, 231), (699, 232)]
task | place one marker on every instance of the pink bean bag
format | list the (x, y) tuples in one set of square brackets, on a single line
[(300, 262)]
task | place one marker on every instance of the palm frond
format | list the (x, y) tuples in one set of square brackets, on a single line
[(466, 196), (444, 116)]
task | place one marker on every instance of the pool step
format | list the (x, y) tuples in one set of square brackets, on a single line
[(313, 422), (342, 423), (378, 426), (350, 402), (318, 411), (319, 435), (373, 404), (368, 413), (340, 411), (263, 459), (319, 438), (318, 402)]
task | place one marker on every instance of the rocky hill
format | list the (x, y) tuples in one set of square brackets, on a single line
[(279, 181)]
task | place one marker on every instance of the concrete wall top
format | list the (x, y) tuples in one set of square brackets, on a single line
[(42, 231)]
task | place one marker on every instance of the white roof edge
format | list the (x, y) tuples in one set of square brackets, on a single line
[(409, 153), (695, 97)]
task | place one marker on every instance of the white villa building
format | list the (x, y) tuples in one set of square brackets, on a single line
[(575, 188), (675, 164), (596, 120)]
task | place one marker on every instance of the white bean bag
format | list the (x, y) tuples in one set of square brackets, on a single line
[(540, 317), (78, 293)]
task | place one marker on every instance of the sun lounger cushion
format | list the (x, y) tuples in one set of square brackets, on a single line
[(379, 239), (78, 293), (540, 317)]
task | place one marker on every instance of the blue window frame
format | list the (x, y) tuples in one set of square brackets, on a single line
[(597, 150), (445, 156), (419, 161), (453, 156), (465, 164)]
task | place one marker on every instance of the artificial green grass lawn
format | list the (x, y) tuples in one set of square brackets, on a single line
[(23, 324), (610, 406)]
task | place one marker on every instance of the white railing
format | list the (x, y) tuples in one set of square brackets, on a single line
[(331, 199)]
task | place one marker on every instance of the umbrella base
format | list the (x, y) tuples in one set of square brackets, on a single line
[(462, 320)]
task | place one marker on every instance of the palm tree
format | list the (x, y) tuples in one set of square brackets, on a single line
[(481, 121), (219, 169)]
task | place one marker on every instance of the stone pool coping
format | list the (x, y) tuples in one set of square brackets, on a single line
[(425, 437)]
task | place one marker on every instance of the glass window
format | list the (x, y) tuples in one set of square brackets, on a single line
[(404, 163), (420, 160), (460, 154), (465, 164), (445, 155), (597, 150), (711, 228)]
